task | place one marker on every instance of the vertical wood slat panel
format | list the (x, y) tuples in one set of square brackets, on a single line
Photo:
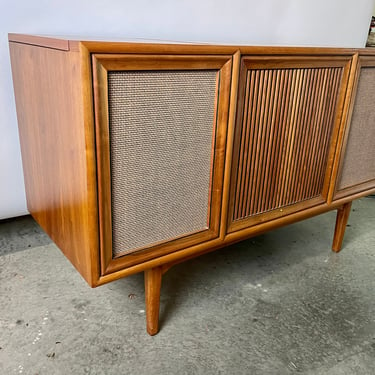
[(336, 81), (285, 141), (301, 130), (239, 192), (307, 189), (279, 141), (287, 123), (310, 105), (309, 142)]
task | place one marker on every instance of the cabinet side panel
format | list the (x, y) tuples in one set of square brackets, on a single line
[(59, 191)]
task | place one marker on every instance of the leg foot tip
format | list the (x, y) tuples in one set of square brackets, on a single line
[(152, 332)]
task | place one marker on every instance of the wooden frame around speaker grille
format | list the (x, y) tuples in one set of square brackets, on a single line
[(102, 63), (362, 187)]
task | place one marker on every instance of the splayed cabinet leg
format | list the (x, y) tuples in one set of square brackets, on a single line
[(341, 221), (152, 292)]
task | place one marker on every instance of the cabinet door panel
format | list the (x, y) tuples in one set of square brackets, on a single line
[(357, 170), (285, 133), (161, 124)]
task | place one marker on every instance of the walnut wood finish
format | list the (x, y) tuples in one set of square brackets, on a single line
[(283, 117), (101, 65), (152, 296), (287, 122), (102, 45), (344, 124), (229, 147), (341, 221), (57, 141)]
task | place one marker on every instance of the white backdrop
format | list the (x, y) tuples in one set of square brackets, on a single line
[(340, 23)]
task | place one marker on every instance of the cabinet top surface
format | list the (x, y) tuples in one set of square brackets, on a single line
[(106, 45)]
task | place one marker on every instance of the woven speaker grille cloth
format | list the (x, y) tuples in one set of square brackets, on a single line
[(161, 133), (359, 160)]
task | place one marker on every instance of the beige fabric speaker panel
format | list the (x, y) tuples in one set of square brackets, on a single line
[(359, 160), (161, 126)]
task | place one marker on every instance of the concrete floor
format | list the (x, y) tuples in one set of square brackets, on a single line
[(281, 303)]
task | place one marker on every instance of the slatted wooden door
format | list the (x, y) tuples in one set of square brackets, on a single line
[(286, 128)]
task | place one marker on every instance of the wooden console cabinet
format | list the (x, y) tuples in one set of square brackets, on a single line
[(138, 156)]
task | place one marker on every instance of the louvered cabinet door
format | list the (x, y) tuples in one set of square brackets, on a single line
[(357, 165), (161, 124), (286, 129)]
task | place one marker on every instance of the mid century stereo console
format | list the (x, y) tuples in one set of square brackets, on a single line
[(138, 156)]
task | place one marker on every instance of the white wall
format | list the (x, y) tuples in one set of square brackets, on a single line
[(341, 23)]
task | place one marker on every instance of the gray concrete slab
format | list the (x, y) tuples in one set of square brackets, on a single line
[(280, 303)]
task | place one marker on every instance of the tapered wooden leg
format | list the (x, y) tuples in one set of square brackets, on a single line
[(341, 221), (152, 293)]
